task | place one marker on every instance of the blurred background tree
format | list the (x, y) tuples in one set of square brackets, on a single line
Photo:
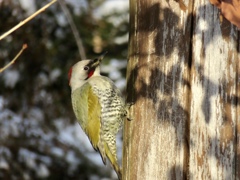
[(39, 137)]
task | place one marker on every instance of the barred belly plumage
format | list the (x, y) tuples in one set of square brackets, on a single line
[(112, 112)]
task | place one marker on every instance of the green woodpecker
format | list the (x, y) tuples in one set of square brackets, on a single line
[(98, 107)]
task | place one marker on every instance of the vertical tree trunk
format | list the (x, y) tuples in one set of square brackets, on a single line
[(183, 78), (214, 112), (238, 117), (237, 155), (155, 144)]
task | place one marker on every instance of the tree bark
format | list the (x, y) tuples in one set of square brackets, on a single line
[(213, 96), (155, 141), (183, 78)]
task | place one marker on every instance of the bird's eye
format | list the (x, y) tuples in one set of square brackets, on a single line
[(86, 68)]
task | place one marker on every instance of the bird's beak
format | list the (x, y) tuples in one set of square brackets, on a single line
[(95, 62)]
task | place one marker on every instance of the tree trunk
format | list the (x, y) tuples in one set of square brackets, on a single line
[(214, 99), (155, 140), (183, 78)]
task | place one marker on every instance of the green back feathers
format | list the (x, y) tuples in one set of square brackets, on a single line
[(88, 111)]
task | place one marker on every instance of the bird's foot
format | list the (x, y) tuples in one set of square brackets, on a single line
[(128, 106)]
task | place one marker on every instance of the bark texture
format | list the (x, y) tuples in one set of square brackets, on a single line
[(183, 78)]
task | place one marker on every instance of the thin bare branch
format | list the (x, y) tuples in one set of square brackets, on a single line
[(15, 58), (74, 29), (27, 19)]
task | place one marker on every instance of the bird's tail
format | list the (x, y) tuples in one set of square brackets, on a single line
[(107, 149), (113, 159)]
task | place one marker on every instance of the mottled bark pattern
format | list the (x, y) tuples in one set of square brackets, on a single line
[(155, 143), (183, 78), (214, 99)]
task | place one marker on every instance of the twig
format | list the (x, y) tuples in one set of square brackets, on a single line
[(27, 19), (74, 29), (13, 61)]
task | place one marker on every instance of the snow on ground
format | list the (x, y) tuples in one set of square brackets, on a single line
[(11, 77), (29, 6), (113, 68), (111, 6)]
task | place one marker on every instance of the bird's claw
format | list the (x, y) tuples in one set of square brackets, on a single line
[(128, 106)]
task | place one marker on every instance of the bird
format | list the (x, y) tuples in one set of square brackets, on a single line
[(99, 108)]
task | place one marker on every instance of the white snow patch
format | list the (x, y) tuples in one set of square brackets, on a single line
[(95, 158), (42, 171), (11, 77), (28, 6), (45, 159), (28, 157), (111, 6), (42, 79), (9, 124), (54, 74), (4, 151), (4, 164), (57, 151), (118, 63), (115, 75), (77, 5), (71, 158), (30, 162), (114, 65), (43, 95), (59, 33), (73, 161), (94, 177), (122, 39), (73, 135), (1, 102), (26, 176), (61, 19), (121, 83), (36, 114), (113, 68)]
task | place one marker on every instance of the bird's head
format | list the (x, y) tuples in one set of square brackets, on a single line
[(80, 72)]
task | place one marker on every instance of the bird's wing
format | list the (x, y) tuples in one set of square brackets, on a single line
[(88, 111), (93, 127)]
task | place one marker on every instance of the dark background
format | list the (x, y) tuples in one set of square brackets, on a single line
[(39, 136)]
